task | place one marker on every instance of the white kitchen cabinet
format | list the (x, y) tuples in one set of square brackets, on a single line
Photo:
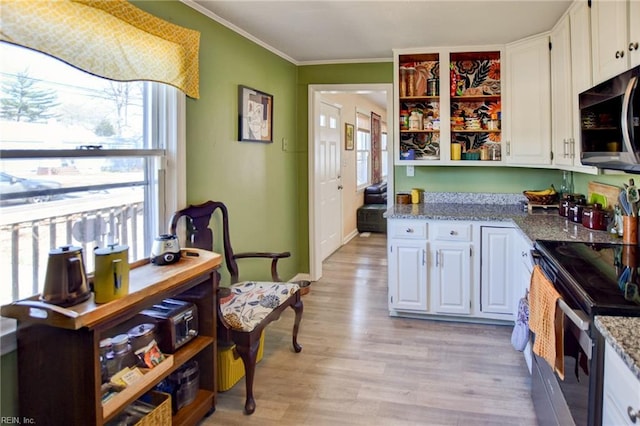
[(451, 278), (528, 101), (431, 115), (442, 272), (620, 393), (634, 33), (451, 260), (407, 266), (570, 74), (497, 276), (561, 87), (615, 37), (581, 64)]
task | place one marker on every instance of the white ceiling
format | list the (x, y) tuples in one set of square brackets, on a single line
[(334, 31)]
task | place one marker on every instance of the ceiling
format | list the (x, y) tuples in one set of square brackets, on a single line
[(334, 31)]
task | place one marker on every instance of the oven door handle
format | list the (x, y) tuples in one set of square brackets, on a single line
[(579, 318)]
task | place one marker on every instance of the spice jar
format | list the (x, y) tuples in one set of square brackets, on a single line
[(404, 120), (484, 153), (415, 120), (494, 124)]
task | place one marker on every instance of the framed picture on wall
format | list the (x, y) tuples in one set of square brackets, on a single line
[(348, 136), (255, 115)]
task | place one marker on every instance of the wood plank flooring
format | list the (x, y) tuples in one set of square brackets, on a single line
[(359, 366)]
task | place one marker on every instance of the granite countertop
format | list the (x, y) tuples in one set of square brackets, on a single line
[(538, 226), (623, 333)]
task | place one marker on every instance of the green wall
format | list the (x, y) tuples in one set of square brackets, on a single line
[(258, 182)]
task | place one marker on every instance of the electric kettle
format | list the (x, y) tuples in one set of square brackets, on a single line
[(165, 250), (111, 278), (66, 281)]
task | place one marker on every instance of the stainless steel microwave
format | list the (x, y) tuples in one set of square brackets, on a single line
[(610, 123)]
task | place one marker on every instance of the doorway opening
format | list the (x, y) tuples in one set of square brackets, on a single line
[(321, 99)]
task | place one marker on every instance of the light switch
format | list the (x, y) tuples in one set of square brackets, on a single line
[(410, 171), (285, 144)]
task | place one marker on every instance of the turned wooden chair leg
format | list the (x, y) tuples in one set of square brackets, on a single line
[(297, 307), (249, 355)]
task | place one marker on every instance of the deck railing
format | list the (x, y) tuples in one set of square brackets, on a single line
[(25, 245)]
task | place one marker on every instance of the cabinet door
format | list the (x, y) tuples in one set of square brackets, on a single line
[(581, 74), (581, 65), (408, 275), (529, 102), (621, 391), (609, 38), (496, 266), (633, 47), (452, 278), (561, 106)]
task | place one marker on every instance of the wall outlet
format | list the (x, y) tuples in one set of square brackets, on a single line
[(410, 171)]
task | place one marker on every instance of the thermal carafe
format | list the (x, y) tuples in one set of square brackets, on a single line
[(111, 280)]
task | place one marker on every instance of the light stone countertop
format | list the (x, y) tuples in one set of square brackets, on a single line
[(623, 333), (537, 226)]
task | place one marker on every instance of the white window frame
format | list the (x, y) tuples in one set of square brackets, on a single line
[(170, 131), (366, 131)]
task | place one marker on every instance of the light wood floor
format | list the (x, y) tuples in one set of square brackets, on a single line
[(359, 366)]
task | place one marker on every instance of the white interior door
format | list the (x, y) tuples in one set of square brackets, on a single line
[(328, 167)]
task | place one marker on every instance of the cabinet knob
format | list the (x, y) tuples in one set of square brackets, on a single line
[(409, 231), (453, 233), (524, 254), (619, 54), (633, 46), (633, 414)]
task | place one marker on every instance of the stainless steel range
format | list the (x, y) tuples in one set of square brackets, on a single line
[(592, 279)]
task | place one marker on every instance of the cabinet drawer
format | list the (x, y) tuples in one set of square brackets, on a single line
[(452, 231), (409, 229)]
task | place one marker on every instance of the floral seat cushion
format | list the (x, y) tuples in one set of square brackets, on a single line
[(251, 301)]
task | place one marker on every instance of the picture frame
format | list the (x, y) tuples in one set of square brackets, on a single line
[(255, 115), (348, 136)]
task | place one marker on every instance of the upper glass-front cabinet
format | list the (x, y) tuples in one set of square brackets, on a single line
[(449, 107)]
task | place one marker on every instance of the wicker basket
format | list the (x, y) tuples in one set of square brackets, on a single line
[(541, 200), (161, 415)]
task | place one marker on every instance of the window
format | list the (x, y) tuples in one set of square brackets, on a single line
[(384, 151), (363, 150), (84, 161)]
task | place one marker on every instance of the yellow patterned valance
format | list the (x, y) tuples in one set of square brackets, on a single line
[(108, 38)]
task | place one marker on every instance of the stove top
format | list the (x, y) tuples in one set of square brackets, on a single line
[(604, 279)]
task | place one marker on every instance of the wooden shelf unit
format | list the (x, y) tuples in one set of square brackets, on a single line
[(59, 377)]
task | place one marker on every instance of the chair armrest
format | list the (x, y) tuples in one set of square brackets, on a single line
[(266, 255)]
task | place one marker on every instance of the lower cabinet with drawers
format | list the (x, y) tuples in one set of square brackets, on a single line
[(453, 269)]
